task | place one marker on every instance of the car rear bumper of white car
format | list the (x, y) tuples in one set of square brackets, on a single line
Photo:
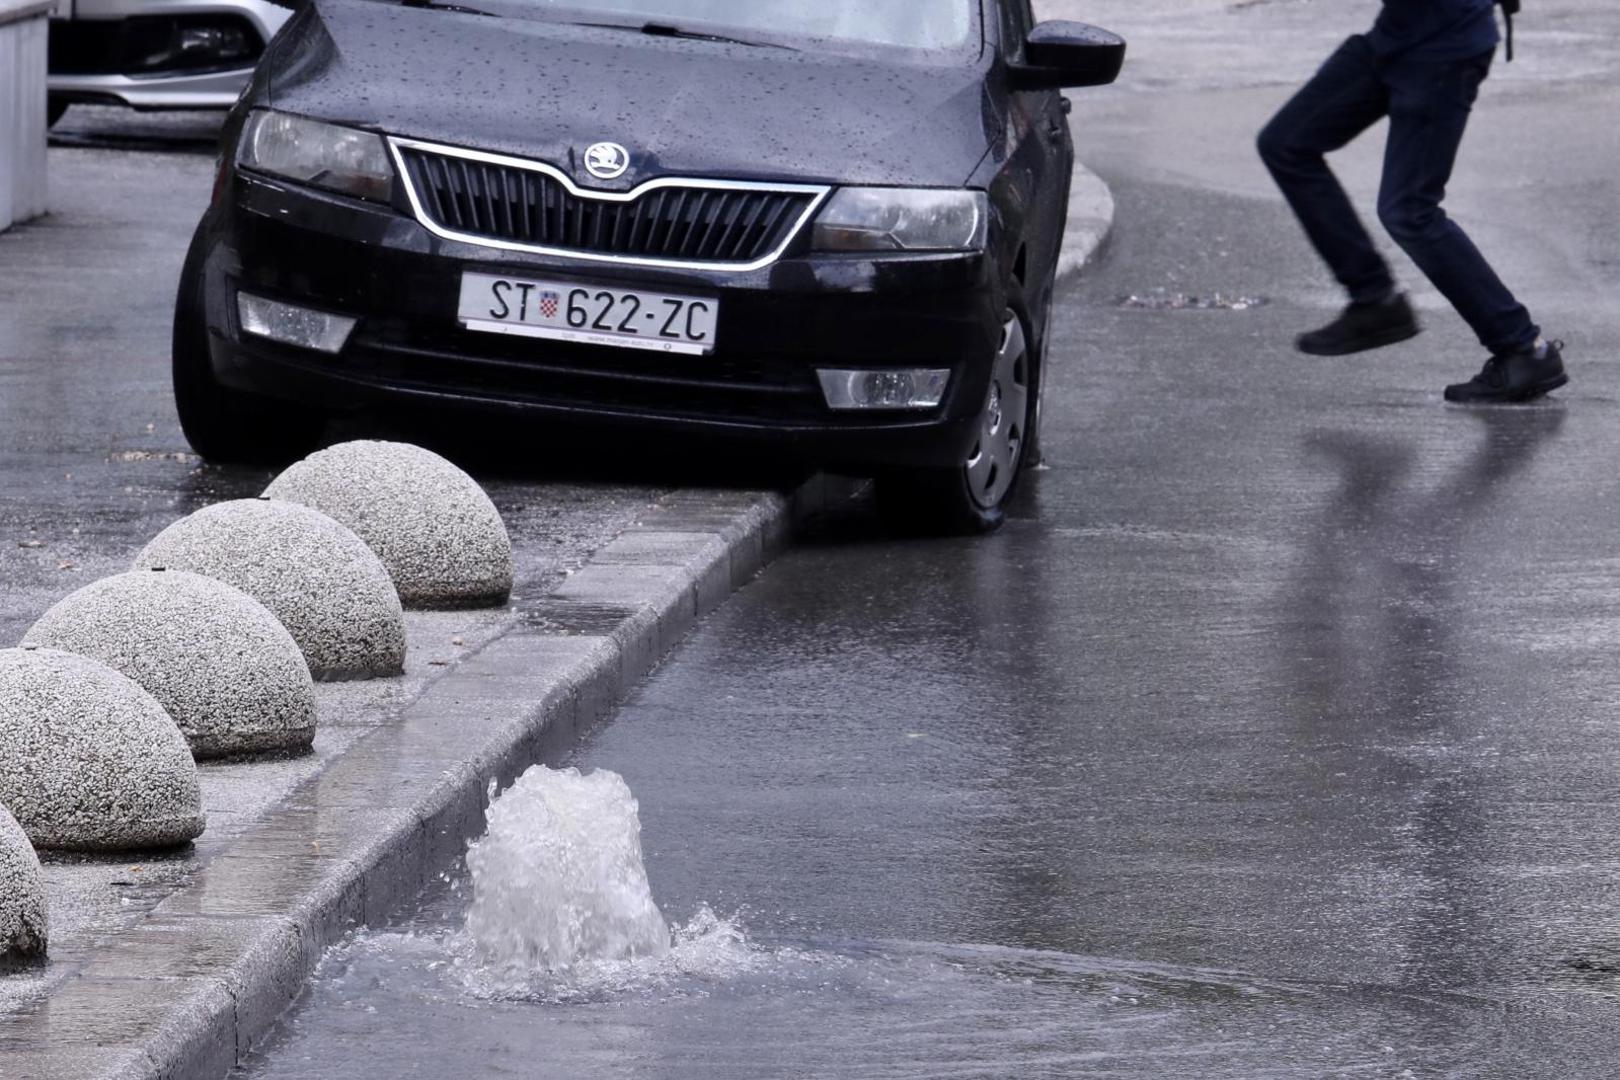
[(218, 90), (167, 54)]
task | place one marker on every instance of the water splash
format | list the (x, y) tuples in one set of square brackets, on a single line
[(558, 880), (561, 913), (705, 953)]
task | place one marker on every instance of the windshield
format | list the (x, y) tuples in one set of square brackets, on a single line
[(914, 24)]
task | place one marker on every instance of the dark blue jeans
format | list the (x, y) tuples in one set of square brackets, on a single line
[(1428, 104)]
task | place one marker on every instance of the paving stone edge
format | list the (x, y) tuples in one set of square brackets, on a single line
[(1089, 224), (203, 979)]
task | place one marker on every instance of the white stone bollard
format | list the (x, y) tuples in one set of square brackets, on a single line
[(440, 537), (227, 672), (23, 930), (88, 760), (316, 576)]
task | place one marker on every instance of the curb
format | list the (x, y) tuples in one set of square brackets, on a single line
[(197, 983), (1090, 221)]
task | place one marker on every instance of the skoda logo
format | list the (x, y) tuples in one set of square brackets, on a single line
[(607, 160)]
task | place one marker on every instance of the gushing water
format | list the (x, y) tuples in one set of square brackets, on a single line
[(558, 880), (562, 916)]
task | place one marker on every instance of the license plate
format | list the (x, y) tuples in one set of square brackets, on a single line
[(589, 314)]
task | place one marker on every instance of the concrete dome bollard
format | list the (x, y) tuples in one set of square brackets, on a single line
[(432, 526), (22, 896), (227, 672), (316, 576), (88, 760)]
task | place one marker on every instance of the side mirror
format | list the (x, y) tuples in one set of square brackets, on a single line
[(1062, 54)]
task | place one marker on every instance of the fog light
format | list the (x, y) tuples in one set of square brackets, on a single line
[(893, 388), (293, 325)]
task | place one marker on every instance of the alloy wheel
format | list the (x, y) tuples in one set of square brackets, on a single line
[(993, 464)]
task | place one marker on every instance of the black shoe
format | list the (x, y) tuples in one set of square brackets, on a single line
[(1363, 326), (1508, 378)]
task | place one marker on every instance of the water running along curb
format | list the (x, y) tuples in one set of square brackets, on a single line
[(188, 990)]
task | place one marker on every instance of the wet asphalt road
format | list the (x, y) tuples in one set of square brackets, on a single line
[(91, 456), (1285, 669), (1279, 733)]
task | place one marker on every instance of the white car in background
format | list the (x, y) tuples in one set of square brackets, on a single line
[(157, 54)]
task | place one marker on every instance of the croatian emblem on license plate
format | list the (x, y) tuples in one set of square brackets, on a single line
[(549, 304)]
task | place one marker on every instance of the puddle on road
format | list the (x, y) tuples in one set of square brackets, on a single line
[(416, 1004), (548, 957)]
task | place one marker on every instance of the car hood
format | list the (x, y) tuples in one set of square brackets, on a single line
[(545, 90)]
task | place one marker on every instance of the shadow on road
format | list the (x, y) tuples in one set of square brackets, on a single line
[(105, 127)]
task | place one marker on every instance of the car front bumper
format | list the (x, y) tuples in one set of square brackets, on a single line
[(778, 325), (106, 53)]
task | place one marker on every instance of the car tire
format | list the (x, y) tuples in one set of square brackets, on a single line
[(1034, 445), (54, 110), (971, 498), (228, 426)]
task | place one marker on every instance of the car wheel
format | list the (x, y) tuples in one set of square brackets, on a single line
[(54, 111), (971, 498), (228, 426)]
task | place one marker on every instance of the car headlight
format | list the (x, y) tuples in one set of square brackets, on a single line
[(902, 219), (327, 156)]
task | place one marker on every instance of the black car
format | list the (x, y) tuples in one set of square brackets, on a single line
[(828, 225)]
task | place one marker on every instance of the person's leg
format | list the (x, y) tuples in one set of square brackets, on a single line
[(1341, 101), (1429, 110)]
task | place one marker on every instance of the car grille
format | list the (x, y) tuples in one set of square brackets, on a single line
[(713, 224)]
